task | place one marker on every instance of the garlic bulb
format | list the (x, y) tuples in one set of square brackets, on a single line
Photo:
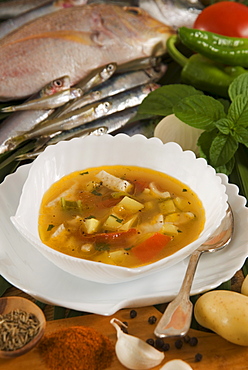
[(134, 353), (171, 128), (176, 365)]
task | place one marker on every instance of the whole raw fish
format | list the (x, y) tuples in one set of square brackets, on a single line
[(47, 102), (14, 8), (12, 24), (65, 122), (66, 135), (75, 41), (24, 121), (117, 84)]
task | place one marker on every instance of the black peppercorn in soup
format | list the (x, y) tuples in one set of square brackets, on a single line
[(120, 215)]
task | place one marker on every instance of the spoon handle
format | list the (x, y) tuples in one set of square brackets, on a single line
[(176, 319)]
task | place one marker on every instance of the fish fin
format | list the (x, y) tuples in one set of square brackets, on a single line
[(86, 38)]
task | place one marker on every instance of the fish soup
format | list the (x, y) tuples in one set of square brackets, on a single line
[(120, 215)]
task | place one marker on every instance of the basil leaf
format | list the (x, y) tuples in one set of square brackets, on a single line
[(224, 125), (161, 101), (239, 86), (241, 135), (205, 141), (222, 149), (200, 111), (226, 168), (238, 111)]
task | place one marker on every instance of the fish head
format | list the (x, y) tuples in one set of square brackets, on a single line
[(108, 71), (57, 85), (154, 33), (102, 108)]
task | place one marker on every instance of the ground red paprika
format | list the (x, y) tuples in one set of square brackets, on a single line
[(76, 348)]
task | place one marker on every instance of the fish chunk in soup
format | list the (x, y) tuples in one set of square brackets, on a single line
[(120, 215)]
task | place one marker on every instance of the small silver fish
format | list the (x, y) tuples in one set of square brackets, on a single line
[(66, 135), (117, 84), (94, 78), (130, 98), (24, 121), (47, 102), (65, 122), (141, 63)]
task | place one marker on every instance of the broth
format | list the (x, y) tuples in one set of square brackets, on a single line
[(121, 215)]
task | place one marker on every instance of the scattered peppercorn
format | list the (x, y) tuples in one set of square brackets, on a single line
[(166, 347), (198, 357), (186, 338), (193, 341), (152, 320), (150, 341), (159, 343), (178, 343), (133, 314)]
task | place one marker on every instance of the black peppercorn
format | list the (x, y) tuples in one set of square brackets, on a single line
[(193, 341), (133, 314), (150, 341), (159, 343), (198, 357), (166, 347), (152, 320), (186, 338), (178, 343)]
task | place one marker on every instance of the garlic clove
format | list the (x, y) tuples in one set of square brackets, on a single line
[(134, 353), (171, 128), (176, 365)]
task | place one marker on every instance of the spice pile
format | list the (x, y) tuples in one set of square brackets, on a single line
[(76, 348), (17, 328)]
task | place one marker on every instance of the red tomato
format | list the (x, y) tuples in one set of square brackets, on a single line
[(224, 18)]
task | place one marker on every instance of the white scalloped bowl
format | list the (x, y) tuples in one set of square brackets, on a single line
[(93, 151)]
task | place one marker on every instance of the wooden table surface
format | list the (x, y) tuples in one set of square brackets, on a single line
[(217, 353)]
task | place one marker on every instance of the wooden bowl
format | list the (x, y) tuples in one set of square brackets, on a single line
[(8, 304)]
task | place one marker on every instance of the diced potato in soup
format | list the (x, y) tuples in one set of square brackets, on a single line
[(120, 215)]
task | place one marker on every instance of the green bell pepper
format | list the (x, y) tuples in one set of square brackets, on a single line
[(203, 73)]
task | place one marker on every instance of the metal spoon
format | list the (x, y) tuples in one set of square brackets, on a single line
[(176, 319)]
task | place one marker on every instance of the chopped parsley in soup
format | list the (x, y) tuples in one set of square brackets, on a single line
[(120, 215)]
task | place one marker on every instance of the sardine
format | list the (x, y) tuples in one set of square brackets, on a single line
[(113, 122), (130, 98), (117, 84), (75, 41), (66, 135), (12, 24), (65, 122), (175, 13), (14, 8), (95, 78), (47, 102), (26, 120)]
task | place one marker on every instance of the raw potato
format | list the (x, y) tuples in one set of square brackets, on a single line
[(226, 313), (244, 287)]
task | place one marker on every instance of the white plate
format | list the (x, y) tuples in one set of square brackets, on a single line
[(24, 267)]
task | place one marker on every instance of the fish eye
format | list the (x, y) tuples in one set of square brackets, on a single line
[(133, 10), (110, 67), (57, 83)]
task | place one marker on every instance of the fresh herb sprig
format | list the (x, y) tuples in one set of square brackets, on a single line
[(225, 122)]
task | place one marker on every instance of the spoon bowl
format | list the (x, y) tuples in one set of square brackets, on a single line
[(176, 319), (9, 304)]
